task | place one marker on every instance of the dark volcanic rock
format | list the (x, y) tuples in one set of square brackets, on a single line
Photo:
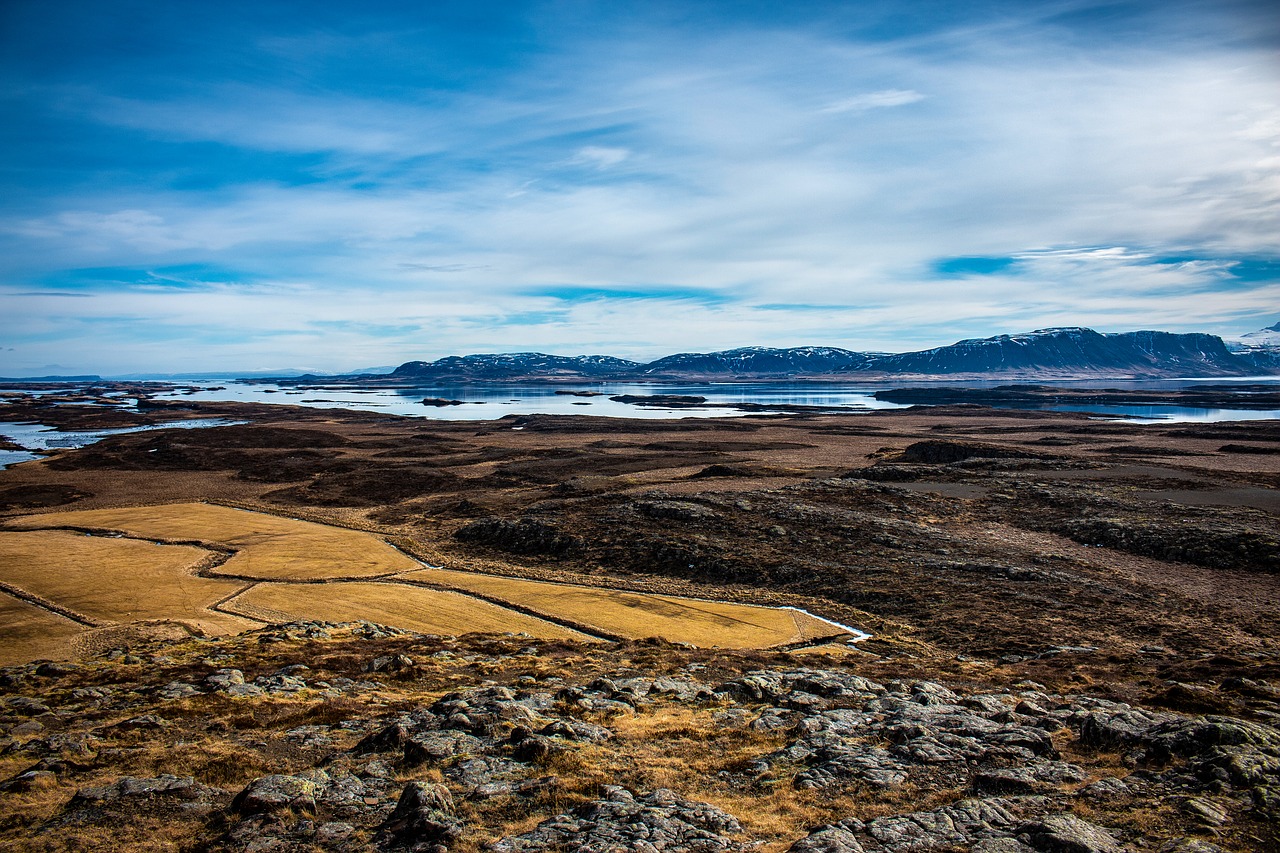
[(277, 792), (1179, 542), (664, 400), (423, 819), (662, 820), (964, 823), (36, 496), (945, 452), (519, 536), (1066, 833)]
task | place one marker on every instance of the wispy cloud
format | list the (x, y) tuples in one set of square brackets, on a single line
[(600, 156), (874, 100), (548, 182)]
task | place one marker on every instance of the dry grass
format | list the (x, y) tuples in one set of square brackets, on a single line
[(682, 748), (28, 632), (267, 546), (412, 608), (115, 580), (127, 580), (636, 615)]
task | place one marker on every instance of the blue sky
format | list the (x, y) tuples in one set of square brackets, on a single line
[(239, 186)]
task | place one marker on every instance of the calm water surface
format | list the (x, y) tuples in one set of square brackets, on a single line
[(489, 402), (41, 437), (493, 401)]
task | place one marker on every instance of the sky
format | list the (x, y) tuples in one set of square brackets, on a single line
[(332, 186)]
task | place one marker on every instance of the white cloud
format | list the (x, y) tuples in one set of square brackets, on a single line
[(874, 100), (761, 181), (600, 157)]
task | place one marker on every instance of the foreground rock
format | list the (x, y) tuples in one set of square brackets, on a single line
[(481, 743), (662, 820)]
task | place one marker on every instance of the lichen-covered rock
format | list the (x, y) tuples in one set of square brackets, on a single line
[(828, 839), (128, 795), (278, 791), (661, 820), (964, 823), (1066, 833), (423, 819)]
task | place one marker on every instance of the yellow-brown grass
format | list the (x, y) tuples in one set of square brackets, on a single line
[(28, 632), (636, 615), (123, 580), (267, 546), (400, 605), (115, 580)]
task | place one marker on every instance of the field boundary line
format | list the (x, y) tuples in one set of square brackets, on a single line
[(45, 604), (217, 606), (590, 630), (856, 635)]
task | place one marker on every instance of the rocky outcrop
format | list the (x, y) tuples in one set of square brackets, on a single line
[(519, 536), (621, 820), (1013, 770)]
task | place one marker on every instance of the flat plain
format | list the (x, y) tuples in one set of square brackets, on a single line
[(211, 587), (266, 547), (1094, 604), (637, 615)]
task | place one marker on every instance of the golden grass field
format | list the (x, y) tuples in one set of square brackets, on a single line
[(412, 608), (109, 581), (634, 615), (268, 547), (28, 632), (282, 569)]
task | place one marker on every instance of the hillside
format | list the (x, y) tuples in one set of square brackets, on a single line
[(752, 363), (1043, 354), (1067, 352), (1261, 348), (517, 365)]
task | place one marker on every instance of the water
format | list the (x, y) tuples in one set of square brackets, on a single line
[(492, 401), (1166, 414), (33, 437)]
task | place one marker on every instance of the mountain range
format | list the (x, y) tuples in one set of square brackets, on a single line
[(1057, 353)]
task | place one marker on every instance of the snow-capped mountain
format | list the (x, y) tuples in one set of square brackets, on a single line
[(1058, 353), (1071, 351), (1262, 347), (514, 365), (753, 362), (1267, 339)]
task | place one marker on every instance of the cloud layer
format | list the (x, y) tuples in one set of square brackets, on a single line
[(254, 188)]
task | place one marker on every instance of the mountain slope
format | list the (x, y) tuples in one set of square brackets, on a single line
[(754, 362), (515, 365), (1261, 348), (1070, 351)]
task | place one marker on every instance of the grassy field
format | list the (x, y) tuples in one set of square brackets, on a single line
[(636, 615), (116, 580), (403, 606), (29, 632), (113, 580), (268, 547)]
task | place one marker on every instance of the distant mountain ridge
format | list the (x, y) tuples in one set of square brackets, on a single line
[(514, 365), (1055, 353), (1262, 348), (754, 362), (1070, 351)]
